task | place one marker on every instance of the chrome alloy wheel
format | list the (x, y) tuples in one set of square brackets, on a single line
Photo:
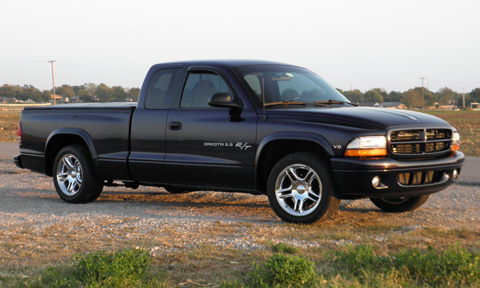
[(298, 190), (69, 175)]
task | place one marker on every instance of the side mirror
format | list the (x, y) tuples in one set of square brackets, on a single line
[(224, 100)]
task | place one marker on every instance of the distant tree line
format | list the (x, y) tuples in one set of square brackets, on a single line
[(88, 92), (413, 97)]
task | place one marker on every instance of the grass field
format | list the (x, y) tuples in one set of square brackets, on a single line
[(466, 122), (273, 265), (9, 125)]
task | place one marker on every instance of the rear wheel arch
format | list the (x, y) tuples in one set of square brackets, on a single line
[(274, 147), (61, 138)]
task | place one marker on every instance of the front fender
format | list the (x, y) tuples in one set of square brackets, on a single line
[(300, 136)]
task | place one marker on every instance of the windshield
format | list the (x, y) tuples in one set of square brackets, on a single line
[(279, 83)]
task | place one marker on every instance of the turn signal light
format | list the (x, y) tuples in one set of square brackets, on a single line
[(456, 141), (366, 152)]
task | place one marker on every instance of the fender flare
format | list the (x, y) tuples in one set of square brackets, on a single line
[(301, 136), (87, 139), (295, 136)]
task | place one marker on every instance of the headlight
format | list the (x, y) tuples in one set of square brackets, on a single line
[(367, 146), (456, 141)]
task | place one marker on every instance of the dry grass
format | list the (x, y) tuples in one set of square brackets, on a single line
[(467, 124), (32, 245), (9, 125)]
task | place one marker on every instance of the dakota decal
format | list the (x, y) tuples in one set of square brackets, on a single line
[(240, 145)]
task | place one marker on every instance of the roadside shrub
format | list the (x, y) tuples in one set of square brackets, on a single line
[(284, 248), (127, 268), (453, 267), (284, 271), (113, 270), (359, 260)]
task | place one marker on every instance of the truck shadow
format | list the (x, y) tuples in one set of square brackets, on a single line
[(197, 199)]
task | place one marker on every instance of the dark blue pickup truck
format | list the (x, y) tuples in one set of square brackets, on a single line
[(246, 126)]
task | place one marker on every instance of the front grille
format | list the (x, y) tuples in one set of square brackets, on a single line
[(420, 178), (417, 142)]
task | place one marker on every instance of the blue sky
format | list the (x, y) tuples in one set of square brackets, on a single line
[(358, 44)]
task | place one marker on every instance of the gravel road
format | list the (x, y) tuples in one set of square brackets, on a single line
[(31, 214)]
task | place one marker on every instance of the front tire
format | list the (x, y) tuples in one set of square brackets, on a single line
[(401, 204), (73, 175), (300, 189), (176, 190)]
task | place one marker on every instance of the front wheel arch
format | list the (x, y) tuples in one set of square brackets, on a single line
[(275, 147)]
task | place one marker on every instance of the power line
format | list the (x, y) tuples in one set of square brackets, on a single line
[(21, 62)]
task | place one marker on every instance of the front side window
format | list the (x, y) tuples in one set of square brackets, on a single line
[(278, 83), (200, 87), (160, 89)]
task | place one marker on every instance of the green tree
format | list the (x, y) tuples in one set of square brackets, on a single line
[(65, 90), (77, 88), (394, 96), (446, 95), (104, 93), (473, 96), (28, 92), (90, 88), (133, 93), (7, 91), (354, 96), (84, 95), (46, 96), (430, 97), (119, 94), (381, 91), (373, 95), (413, 98)]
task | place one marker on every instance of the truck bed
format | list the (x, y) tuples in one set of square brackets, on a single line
[(108, 142)]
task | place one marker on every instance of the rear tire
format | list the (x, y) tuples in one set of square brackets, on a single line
[(401, 204), (74, 177), (300, 189)]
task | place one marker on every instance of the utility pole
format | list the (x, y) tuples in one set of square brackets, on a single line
[(463, 98), (53, 81), (423, 100)]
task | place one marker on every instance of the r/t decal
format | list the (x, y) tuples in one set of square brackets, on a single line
[(243, 146)]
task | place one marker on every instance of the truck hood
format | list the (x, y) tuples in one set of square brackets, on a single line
[(361, 117)]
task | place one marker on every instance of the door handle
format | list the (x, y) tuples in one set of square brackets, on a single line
[(175, 125)]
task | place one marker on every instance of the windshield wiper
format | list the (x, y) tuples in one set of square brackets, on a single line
[(285, 103), (329, 102)]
